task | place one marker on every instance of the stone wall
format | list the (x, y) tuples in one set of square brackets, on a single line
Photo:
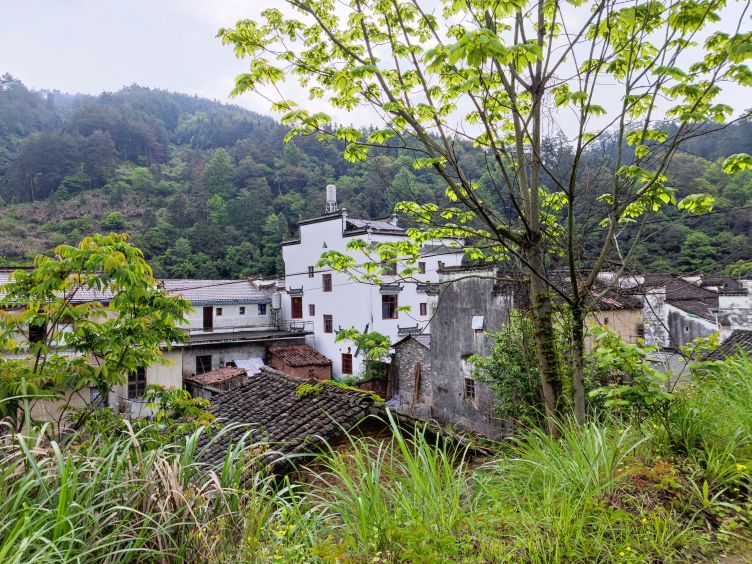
[(407, 355)]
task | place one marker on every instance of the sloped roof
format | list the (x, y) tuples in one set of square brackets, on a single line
[(198, 292), (378, 225), (82, 295), (218, 292), (601, 297), (218, 376), (299, 355), (701, 307), (423, 339), (740, 341), (270, 407)]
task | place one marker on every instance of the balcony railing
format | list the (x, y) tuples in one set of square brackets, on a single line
[(294, 326)]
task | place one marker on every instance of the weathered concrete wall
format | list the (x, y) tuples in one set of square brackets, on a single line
[(453, 341), (407, 355), (684, 329), (653, 317)]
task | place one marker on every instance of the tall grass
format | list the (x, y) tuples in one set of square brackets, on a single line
[(118, 502), (405, 498)]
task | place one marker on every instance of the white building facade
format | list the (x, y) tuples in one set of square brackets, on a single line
[(332, 301)]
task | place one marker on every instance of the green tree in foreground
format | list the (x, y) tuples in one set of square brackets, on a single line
[(125, 326), (501, 74)]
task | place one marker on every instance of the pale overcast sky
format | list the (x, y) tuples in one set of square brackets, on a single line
[(96, 45), (101, 45)]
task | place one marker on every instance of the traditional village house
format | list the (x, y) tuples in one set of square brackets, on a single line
[(435, 377), (334, 301), (680, 309), (302, 361), (233, 323), (215, 382), (291, 416)]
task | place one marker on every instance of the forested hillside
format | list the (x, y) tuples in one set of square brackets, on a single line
[(209, 189)]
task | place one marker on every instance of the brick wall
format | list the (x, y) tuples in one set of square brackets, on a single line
[(306, 372), (407, 355)]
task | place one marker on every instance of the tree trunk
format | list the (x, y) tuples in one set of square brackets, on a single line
[(578, 353), (545, 343)]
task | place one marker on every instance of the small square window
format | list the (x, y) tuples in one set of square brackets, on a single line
[(311, 309), (422, 267), (424, 308), (328, 324), (242, 310), (37, 333), (469, 388), (219, 311), (388, 267), (310, 272), (262, 309), (326, 282), (203, 363)]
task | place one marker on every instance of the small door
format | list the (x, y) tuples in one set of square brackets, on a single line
[(208, 318)]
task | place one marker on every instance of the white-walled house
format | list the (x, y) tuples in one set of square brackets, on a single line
[(232, 322), (334, 301)]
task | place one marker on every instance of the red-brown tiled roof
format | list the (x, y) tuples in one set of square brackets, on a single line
[(299, 355), (218, 376)]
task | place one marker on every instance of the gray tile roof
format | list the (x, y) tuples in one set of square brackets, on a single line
[(739, 342), (198, 292), (378, 225), (82, 295), (218, 292), (269, 406)]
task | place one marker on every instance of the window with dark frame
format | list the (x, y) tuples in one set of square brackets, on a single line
[(36, 333), (469, 388), (296, 307), (422, 267), (242, 310), (262, 309), (640, 330), (389, 306), (326, 282), (137, 383), (388, 267), (219, 311), (310, 272), (328, 324), (347, 363), (424, 308), (203, 363), (311, 309)]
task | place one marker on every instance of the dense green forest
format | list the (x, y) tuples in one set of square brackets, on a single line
[(209, 189)]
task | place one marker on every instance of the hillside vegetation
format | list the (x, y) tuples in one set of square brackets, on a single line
[(209, 189)]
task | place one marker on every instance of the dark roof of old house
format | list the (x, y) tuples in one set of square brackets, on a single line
[(218, 376), (701, 307), (354, 225), (218, 292), (601, 296), (740, 341), (299, 355), (726, 285), (81, 296), (271, 408), (423, 339)]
